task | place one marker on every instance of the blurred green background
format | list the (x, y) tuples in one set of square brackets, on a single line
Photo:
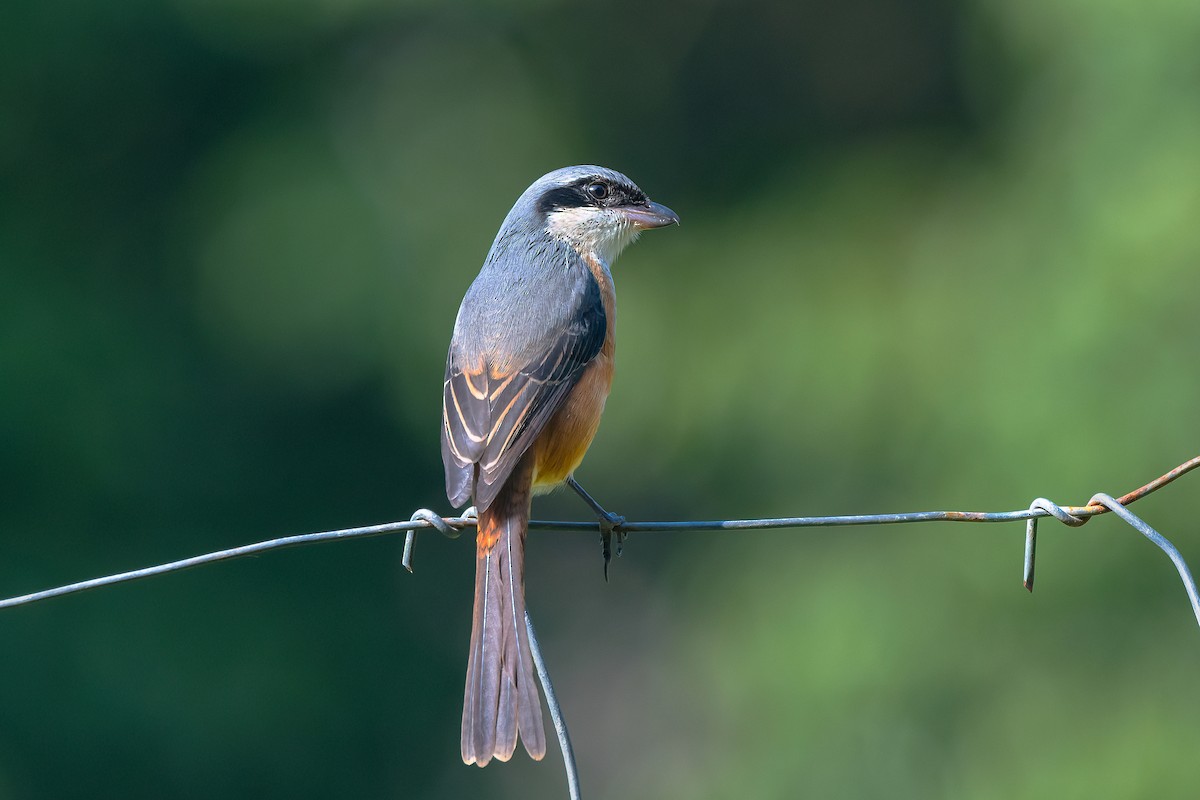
[(934, 254)]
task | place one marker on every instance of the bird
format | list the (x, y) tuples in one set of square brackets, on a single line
[(528, 371)]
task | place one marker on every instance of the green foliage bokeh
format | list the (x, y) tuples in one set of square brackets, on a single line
[(933, 255)]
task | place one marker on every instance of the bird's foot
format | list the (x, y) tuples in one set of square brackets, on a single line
[(610, 525)]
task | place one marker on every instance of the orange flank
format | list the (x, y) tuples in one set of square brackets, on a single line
[(563, 442), (569, 433)]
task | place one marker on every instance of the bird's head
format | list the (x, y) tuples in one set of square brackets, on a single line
[(597, 211)]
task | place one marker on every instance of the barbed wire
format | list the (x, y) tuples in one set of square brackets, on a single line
[(452, 526)]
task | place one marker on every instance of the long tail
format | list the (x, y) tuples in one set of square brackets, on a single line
[(501, 695)]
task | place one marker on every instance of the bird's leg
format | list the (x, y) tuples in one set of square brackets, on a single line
[(609, 523)]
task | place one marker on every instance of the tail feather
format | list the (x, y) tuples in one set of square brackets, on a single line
[(501, 698)]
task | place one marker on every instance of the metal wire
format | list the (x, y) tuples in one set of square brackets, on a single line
[(1189, 583), (451, 527), (457, 523), (556, 716)]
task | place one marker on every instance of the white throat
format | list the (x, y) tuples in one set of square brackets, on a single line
[(598, 232)]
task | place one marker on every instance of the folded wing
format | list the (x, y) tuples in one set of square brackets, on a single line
[(494, 404)]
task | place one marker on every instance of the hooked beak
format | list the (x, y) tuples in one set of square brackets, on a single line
[(651, 215)]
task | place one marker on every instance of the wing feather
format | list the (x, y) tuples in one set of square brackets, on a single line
[(495, 405)]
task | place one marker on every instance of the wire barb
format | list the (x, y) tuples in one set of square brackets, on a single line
[(437, 522), (1030, 552), (1054, 510)]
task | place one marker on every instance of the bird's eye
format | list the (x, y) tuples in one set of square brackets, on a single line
[(598, 191)]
